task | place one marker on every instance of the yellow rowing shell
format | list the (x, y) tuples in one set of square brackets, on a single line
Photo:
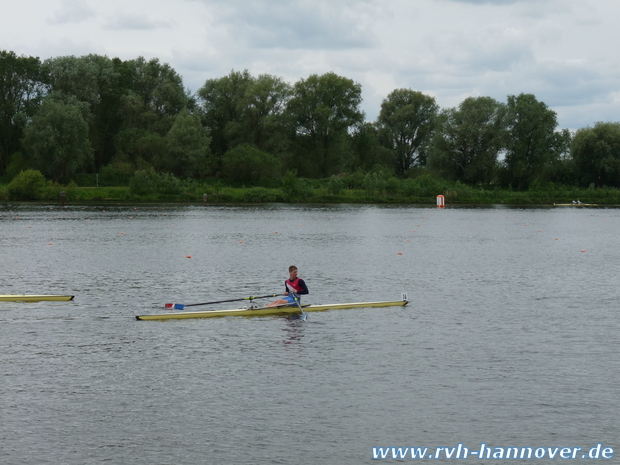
[(575, 205), (262, 311), (34, 298)]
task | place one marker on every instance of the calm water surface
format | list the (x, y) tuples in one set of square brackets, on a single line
[(511, 337)]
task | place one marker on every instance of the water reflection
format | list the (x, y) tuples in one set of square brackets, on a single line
[(293, 330)]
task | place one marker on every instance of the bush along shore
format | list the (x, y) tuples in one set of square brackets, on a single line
[(148, 186)]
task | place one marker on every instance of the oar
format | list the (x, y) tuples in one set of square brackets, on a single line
[(181, 306), (292, 292)]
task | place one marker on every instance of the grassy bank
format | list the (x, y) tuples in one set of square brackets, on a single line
[(317, 192)]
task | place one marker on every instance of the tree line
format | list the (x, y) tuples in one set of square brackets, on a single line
[(92, 114)]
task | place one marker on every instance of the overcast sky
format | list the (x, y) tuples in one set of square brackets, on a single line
[(565, 52)]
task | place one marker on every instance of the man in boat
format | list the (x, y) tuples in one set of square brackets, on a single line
[(293, 282)]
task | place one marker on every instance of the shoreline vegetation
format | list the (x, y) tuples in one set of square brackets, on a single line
[(371, 188), (104, 129)]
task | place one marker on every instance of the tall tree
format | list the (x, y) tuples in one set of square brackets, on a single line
[(468, 140), (261, 118), (367, 150), (187, 145), (22, 88), (532, 144), (96, 81), (407, 119), (57, 138), (596, 155), (220, 101), (323, 109), (156, 95)]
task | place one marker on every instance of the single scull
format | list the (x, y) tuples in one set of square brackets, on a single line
[(262, 311), (35, 298)]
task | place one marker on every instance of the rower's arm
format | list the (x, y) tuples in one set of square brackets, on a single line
[(304, 288)]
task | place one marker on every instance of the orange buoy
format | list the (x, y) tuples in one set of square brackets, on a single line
[(583, 250), (188, 256), (400, 253), (440, 201)]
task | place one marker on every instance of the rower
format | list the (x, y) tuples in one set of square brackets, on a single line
[(294, 282)]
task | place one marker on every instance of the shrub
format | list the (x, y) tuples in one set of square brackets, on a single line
[(143, 182), (423, 186), (246, 163), (295, 188), (335, 185), (27, 185), (260, 194), (147, 182)]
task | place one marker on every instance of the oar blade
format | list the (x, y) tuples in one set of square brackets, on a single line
[(175, 306)]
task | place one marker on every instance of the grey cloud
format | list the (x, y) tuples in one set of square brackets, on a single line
[(72, 11), (122, 21), (495, 2), (300, 24)]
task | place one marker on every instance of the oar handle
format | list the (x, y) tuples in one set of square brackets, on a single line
[(292, 292)]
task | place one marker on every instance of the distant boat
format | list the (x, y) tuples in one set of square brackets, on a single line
[(575, 205), (35, 298)]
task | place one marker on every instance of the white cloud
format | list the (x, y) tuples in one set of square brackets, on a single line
[(562, 51), (72, 11)]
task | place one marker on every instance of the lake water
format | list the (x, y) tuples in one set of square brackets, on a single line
[(511, 337)]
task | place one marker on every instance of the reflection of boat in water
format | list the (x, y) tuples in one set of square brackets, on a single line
[(262, 311), (34, 298)]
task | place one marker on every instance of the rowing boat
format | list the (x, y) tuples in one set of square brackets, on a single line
[(35, 298), (262, 311), (575, 205)]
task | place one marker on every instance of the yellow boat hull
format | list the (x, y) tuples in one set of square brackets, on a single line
[(263, 311), (34, 298), (575, 205)]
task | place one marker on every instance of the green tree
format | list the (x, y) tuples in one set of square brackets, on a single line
[(155, 95), (596, 155), (323, 109), (367, 151), (261, 117), (141, 148), (187, 145), (22, 88), (532, 144), (57, 138), (406, 120), (97, 81), (220, 101), (247, 163), (468, 140)]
